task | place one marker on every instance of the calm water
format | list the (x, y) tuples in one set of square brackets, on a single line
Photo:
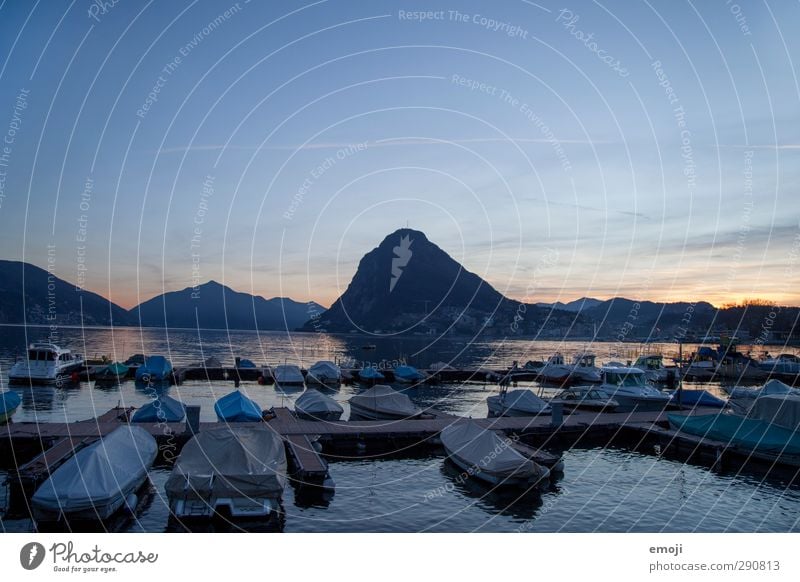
[(602, 489)]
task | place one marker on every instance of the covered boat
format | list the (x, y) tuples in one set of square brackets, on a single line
[(484, 455), (9, 402), (324, 373), (752, 434), (779, 410), (99, 479), (408, 374), (370, 374), (287, 375), (161, 409), (233, 471), (314, 405), (154, 369), (692, 398), (245, 363), (771, 388), (382, 402), (236, 407), (517, 403), (114, 372)]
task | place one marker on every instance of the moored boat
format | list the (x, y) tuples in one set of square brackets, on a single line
[(587, 398), (314, 405), (482, 454), (370, 375), (9, 402), (517, 403), (164, 408), (154, 370), (287, 375), (382, 402), (629, 387), (583, 368), (784, 364), (99, 479), (236, 407), (114, 372), (233, 472), (324, 373), (554, 370), (408, 374), (691, 398), (653, 367), (45, 363)]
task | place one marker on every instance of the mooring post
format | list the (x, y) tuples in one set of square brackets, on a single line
[(557, 415), (193, 418)]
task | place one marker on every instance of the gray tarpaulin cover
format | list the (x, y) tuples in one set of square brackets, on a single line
[(99, 473), (485, 451), (521, 400), (313, 402), (385, 400), (781, 410), (232, 461)]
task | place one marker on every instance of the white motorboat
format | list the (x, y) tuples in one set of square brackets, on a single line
[(517, 403), (629, 387), (750, 394), (555, 369), (314, 405), (45, 363), (587, 398), (99, 479), (786, 364), (324, 373), (382, 402), (653, 367), (287, 375), (237, 472), (482, 454), (583, 368)]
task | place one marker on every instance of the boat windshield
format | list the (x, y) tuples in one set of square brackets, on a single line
[(41, 356), (630, 379)]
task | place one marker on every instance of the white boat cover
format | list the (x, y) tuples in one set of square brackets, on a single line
[(484, 450), (386, 400), (522, 401), (100, 473), (777, 387), (441, 367), (314, 403), (325, 369), (783, 410), (287, 374), (233, 461)]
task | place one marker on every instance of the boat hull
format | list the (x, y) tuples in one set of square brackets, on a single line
[(639, 403), (496, 479), (22, 374)]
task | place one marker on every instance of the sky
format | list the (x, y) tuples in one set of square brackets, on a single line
[(559, 150)]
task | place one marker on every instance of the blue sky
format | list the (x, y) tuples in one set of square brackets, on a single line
[(270, 147)]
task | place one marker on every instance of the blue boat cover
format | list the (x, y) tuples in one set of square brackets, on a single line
[(245, 363), (161, 409), (236, 407), (154, 369), (9, 401), (749, 433), (408, 373), (370, 373), (697, 398)]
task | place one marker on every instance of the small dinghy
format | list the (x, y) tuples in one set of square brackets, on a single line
[(486, 456), (236, 407), (115, 372), (99, 479), (408, 374), (314, 405), (154, 369), (235, 471), (517, 403), (161, 409), (382, 402), (9, 402)]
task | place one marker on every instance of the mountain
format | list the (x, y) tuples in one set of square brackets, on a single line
[(408, 283), (642, 318), (29, 294), (573, 306), (215, 306)]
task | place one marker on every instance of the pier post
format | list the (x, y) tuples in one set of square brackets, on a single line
[(557, 415), (193, 418)]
